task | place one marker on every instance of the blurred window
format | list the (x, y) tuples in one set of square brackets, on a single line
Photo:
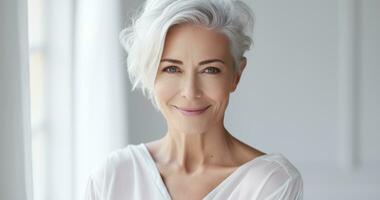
[(37, 69)]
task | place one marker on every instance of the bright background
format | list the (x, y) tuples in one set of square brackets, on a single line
[(310, 91)]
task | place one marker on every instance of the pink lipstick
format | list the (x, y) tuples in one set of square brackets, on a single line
[(191, 111)]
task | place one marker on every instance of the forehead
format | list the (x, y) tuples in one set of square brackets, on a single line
[(186, 40)]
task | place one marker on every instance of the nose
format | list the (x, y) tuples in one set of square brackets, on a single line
[(191, 87)]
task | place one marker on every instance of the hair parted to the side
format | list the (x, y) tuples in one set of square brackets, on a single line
[(144, 39)]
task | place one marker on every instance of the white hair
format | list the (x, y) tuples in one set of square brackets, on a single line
[(144, 39)]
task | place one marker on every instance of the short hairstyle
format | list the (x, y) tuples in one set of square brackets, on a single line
[(144, 39)]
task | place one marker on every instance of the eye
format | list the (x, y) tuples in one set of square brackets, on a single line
[(211, 70), (171, 69)]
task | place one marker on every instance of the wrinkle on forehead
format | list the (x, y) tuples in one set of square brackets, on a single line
[(192, 44)]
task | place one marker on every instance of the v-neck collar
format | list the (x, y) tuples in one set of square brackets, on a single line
[(163, 188)]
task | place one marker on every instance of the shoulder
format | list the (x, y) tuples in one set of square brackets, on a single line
[(123, 158), (116, 168), (273, 174), (115, 159), (280, 164)]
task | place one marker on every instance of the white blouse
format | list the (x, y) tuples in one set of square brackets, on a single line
[(131, 173)]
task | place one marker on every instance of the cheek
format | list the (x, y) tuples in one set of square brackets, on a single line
[(218, 89), (164, 89), (218, 94)]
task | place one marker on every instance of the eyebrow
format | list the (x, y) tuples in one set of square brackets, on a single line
[(200, 63)]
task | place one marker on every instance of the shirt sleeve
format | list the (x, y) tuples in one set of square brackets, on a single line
[(92, 190), (95, 183), (292, 189)]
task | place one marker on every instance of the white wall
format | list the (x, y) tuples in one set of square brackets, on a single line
[(310, 91), (15, 165), (144, 122)]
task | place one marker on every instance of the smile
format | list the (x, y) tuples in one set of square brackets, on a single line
[(192, 111)]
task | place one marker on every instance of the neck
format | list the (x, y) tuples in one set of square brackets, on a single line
[(193, 151)]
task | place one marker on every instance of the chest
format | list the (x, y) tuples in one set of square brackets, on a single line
[(183, 187)]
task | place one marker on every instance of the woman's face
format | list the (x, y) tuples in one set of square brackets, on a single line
[(194, 78)]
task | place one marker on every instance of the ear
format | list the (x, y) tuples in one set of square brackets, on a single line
[(243, 63)]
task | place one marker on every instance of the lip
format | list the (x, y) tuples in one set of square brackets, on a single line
[(192, 111)]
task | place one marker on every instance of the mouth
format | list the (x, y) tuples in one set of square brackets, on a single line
[(192, 111)]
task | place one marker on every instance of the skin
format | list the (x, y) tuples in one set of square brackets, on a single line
[(196, 73)]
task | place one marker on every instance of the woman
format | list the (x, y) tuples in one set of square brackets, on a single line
[(187, 57)]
